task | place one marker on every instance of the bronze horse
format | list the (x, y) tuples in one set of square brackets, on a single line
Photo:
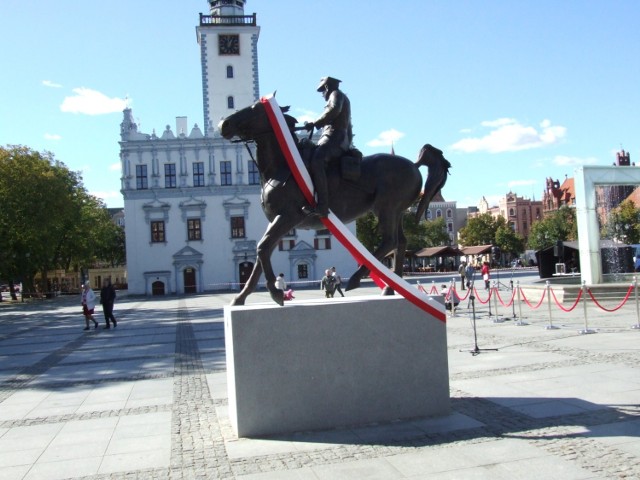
[(388, 186)]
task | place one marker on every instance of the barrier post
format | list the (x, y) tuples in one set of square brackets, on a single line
[(452, 297), (586, 330), (519, 323), (497, 318), (635, 288), (551, 326)]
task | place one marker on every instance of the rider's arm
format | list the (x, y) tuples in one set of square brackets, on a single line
[(331, 110)]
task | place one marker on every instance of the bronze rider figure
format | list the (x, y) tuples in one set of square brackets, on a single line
[(335, 139)]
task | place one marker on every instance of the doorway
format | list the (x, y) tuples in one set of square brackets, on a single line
[(189, 276), (245, 272), (157, 288)]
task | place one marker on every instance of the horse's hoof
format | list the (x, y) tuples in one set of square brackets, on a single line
[(278, 297), (353, 284), (388, 291), (237, 301)]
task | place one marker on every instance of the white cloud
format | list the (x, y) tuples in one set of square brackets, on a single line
[(52, 136), (49, 83), (386, 138), (521, 183), (115, 167), (509, 135), (305, 115), (92, 102), (563, 161), (111, 195)]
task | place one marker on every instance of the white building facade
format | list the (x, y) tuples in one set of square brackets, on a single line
[(192, 198)]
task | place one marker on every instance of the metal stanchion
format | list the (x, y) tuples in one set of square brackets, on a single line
[(497, 318), (586, 329), (513, 297), (519, 323), (551, 326), (635, 288)]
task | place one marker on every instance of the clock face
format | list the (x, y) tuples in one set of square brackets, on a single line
[(229, 44)]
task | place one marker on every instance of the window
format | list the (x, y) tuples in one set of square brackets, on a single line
[(322, 240), (198, 174), (194, 231), (230, 102), (449, 213), (303, 270), (225, 172), (438, 213), (229, 71), (286, 245), (449, 227), (512, 212), (157, 232), (237, 227), (254, 174), (141, 177), (429, 214), (170, 175)]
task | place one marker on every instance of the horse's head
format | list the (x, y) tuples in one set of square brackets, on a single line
[(250, 123)]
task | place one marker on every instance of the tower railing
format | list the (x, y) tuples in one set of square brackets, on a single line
[(225, 20)]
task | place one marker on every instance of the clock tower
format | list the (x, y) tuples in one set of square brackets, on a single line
[(228, 42)]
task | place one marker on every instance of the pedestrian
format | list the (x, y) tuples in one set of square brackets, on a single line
[(328, 284), (338, 280), (468, 273), (462, 272), (88, 304), (450, 298), (485, 274), (107, 299), (280, 283)]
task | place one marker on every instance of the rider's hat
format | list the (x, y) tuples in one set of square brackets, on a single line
[(328, 81)]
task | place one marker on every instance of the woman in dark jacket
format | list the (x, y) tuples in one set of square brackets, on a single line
[(107, 298)]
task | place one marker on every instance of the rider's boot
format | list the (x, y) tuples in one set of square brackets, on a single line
[(322, 191)]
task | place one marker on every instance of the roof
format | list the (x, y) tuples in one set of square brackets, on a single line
[(476, 250), (444, 251)]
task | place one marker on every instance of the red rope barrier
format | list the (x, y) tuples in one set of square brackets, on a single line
[(527, 301), (462, 299), (433, 291), (479, 299), (553, 294), (513, 295), (624, 300)]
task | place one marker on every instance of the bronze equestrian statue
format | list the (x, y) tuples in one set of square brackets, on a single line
[(387, 185)]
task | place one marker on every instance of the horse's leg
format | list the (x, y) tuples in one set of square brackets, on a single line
[(388, 226), (398, 260), (275, 231), (250, 286)]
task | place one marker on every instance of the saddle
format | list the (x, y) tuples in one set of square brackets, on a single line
[(349, 164)]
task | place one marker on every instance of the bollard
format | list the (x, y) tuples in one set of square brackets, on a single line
[(452, 297), (513, 298), (586, 330), (635, 288), (497, 318), (519, 323), (551, 326)]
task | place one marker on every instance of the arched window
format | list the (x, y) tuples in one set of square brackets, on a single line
[(512, 212), (229, 71), (429, 215), (230, 103), (438, 213), (449, 213)]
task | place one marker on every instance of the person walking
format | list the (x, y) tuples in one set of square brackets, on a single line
[(338, 280), (328, 284), (468, 273), (280, 283), (107, 299), (485, 274), (88, 304), (462, 272)]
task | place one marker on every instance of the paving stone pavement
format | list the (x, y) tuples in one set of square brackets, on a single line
[(148, 399)]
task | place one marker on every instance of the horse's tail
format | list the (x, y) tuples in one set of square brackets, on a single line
[(438, 169)]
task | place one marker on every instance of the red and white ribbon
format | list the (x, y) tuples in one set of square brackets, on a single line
[(380, 274)]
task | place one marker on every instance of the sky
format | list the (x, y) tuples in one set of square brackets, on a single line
[(513, 92)]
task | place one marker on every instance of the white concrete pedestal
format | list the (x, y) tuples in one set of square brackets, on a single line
[(314, 365)]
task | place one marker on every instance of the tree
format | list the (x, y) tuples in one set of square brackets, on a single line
[(623, 223), (556, 226), (367, 231), (436, 233), (509, 241), (47, 219), (480, 230)]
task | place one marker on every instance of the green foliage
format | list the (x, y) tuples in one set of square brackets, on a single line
[(367, 231), (558, 225), (480, 230), (509, 241), (47, 219), (435, 233), (623, 223)]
